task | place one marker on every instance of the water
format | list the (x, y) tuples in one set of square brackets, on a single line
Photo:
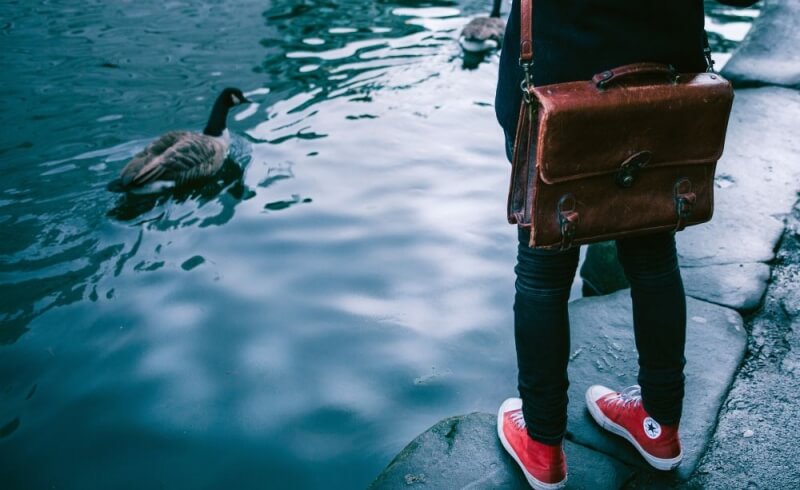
[(345, 283)]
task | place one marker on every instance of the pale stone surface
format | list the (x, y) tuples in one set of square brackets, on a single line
[(739, 286), (756, 182), (464, 452), (604, 353), (769, 54)]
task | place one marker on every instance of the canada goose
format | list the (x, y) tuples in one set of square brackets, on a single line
[(178, 157), (484, 33)]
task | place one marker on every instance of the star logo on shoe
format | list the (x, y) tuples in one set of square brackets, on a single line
[(622, 413), (651, 428)]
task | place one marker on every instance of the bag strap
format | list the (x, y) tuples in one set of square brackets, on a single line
[(526, 44), (517, 205), (707, 54), (526, 41), (526, 32)]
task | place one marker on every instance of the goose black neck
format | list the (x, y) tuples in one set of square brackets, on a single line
[(495, 9), (217, 120)]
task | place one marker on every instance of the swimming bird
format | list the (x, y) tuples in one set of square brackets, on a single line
[(484, 33), (178, 157)]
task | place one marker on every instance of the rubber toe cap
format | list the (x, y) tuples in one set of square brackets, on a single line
[(596, 392)]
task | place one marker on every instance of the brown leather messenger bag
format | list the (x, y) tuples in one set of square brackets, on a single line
[(631, 151)]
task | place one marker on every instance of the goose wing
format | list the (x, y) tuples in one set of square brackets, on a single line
[(189, 157), (150, 153)]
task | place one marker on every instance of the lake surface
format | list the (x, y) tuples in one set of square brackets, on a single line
[(345, 283)]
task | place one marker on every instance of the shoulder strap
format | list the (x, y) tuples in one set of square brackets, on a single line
[(526, 34), (707, 53)]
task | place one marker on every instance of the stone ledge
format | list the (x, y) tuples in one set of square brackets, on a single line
[(768, 55), (464, 452), (739, 286)]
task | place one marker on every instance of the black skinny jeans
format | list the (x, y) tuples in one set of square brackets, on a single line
[(541, 329)]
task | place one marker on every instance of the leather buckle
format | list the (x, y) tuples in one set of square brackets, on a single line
[(684, 202), (568, 219), (626, 175)]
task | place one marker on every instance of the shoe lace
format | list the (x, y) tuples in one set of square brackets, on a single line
[(518, 419), (630, 396)]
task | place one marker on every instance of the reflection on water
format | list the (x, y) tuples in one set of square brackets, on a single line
[(229, 180), (342, 284)]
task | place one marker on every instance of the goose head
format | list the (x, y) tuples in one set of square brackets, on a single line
[(228, 98), (232, 97)]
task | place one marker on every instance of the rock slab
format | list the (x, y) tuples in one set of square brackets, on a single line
[(740, 286), (601, 271), (604, 353), (464, 452), (756, 187), (769, 54)]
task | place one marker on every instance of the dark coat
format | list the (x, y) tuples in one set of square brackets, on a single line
[(574, 39)]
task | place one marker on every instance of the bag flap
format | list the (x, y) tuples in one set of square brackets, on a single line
[(584, 131)]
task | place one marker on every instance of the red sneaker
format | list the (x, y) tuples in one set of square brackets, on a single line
[(624, 415), (544, 466)]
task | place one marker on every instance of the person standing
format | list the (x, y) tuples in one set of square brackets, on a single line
[(573, 41)]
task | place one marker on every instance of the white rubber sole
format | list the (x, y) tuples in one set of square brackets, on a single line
[(513, 404), (606, 423)]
